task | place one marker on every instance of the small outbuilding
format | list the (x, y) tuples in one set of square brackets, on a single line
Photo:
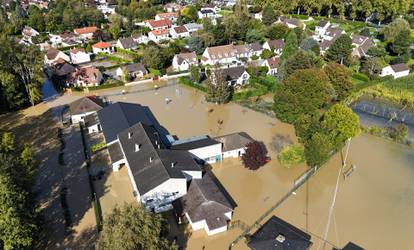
[(83, 107), (396, 70)]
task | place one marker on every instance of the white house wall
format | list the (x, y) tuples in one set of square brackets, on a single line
[(209, 154), (80, 117), (193, 174), (233, 153), (93, 129), (216, 231)]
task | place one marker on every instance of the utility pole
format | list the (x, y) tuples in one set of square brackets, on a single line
[(331, 208)]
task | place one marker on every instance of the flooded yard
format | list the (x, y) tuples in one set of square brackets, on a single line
[(376, 201)]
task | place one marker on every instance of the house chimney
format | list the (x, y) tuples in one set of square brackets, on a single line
[(172, 164), (150, 158), (129, 135), (280, 238), (137, 147)]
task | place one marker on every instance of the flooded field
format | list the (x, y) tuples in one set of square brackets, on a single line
[(376, 202)]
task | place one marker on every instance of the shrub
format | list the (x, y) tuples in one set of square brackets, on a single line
[(291, 155), (97, 147), (255, 155)]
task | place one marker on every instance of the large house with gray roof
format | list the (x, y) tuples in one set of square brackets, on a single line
[(159, 165)]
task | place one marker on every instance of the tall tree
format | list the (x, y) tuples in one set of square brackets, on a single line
[(402, 43), (269, 15), (218, 90), (318, 149), (340, 78), (392, 30), (302, 93), (291, 46), (340, 50), (132, 227)]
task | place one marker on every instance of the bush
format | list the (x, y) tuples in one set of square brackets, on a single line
[(97, 147), (255, 155), (291, 155)]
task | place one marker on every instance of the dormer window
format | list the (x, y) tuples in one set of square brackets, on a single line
[(137, 147)]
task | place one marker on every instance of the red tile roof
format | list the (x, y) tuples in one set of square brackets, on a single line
[(86, 30), (159, 32), (160, 23), (102, 45)]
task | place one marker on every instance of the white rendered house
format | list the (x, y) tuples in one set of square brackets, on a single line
[(396, 70)]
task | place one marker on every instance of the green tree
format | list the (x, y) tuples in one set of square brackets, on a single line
[(277, 31), (36, 19), (318, 149), (340, 78), (299, 60), (340, 123), (402, 43), (266, 54), (188, 14), (132, 227), (291, 46), (195, 73), (302, 93), (269, 15), (8, 143), (392, 30), (218, 90), (153, 57), (372, 67), (340, 50), (310, 44), (376, 52)]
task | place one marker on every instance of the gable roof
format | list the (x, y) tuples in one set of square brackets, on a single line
[(85, 104), (205, 201), (290, 237), (273, 62), (159, 23), (333, 32), (119, 116), (180, 29), (77, 50), (190, 57), (193, 143), (276, 44), (135, 67), (233, 72), (322, 23), (128, 43), (52, 53), (399, 67), (358, 39), (102, 45), (222, 51), (234, 141), (159, 32), (86, 30), (152, 164)]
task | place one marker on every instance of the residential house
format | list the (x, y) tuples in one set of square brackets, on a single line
[(396, 70), (127, 43), (79, 55), (211, 6), (183, 61), (86, 77), (60, 72), (272, 64), (86, 33), (135, 70), (234, 145), (172, 16), (172, 7), (255, 49), (138, 38), (29, 33), (278, 234), (205, 206), (179, 32), (53, 55), (159, 35), (275, 45), (163, 24), (235, 76), (84, 106), (106, 9), (291, 22), (202, 148), (206, 13), (103, 47), (321, 29), (193, 27), (330, 34), (65, 39), (324, 46), (361, 45)]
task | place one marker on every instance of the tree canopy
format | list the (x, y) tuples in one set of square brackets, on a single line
[(340, 78), (340, 50)]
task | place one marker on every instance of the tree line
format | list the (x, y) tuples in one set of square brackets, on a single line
[(19, 213), (352, 9)]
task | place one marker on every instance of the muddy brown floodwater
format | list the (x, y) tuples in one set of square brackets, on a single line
[(375, 205)]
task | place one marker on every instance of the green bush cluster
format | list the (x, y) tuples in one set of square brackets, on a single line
[(291, 155)]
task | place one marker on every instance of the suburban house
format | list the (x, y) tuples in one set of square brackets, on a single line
[(278, 234), (274, 45), (206, 13), (205, 206), (53, 56), (224, 54), (86, 33), (202, 148), (158, 24), (83, 107), (361, 45), (234, 145), (172, 7), (86, 77), (172, 16), (291, 22), (396, 70), (324, 46), (183, 61), (193, 27), (138, 38), (135, 70), (235, 76), (78, 56), (28, 33), (60, 72), (272, 64), (179, 32), (102, 47), (159, 35), (65, 39), (331, 33), (127, 43), (320, 29)]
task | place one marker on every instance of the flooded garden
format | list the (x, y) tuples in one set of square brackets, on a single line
[(376, 201)]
